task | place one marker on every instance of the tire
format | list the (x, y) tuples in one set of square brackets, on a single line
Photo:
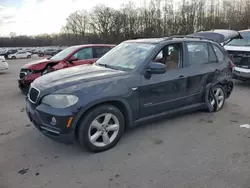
[(88, 128), (25, 91), (41, 55), (28, 56), (13, 57), (217, 102)]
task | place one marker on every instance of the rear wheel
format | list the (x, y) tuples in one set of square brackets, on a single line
[(101, 129), (13, 57), (28, 56), (216, 99)]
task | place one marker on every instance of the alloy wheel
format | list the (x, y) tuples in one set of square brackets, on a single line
[(103, 130), (219, 97)]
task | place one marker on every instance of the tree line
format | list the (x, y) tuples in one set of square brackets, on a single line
[(157, 18)]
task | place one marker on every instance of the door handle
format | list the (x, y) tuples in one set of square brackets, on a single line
[(182, 77)]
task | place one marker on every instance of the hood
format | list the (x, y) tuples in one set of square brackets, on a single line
[(75, 75), (218, 35), (38, 64)]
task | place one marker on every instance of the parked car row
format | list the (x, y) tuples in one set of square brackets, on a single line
[(136, 81), (39, 51)]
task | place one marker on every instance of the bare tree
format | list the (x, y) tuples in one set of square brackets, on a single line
[(155, 18)]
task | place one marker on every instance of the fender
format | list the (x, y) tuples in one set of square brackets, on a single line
[(105, 100)]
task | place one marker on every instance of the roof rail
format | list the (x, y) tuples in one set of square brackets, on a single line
[(188, 36), (175, 36)]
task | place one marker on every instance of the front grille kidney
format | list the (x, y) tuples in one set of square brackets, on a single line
[(33, 95)]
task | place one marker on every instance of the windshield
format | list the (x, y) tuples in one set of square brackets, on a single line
[(126, 56), (241, 42), (63, 54)]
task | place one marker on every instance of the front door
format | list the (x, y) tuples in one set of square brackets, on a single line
[(83, 56), (167, 91)]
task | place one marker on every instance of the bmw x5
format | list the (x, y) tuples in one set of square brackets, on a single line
[(136, 81)]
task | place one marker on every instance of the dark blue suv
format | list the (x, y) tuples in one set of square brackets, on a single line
[(136, 81)]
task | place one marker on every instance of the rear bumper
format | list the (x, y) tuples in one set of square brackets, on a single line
[(41, 118), (241, 73)]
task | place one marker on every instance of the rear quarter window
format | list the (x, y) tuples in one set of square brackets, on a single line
[(220, 55)]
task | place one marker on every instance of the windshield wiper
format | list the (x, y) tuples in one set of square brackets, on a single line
[(103, 65), (108, 66)]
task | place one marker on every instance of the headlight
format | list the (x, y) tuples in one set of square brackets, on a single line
[(60, 100)]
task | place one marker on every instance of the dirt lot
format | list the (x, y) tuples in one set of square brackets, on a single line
[(194, 150)]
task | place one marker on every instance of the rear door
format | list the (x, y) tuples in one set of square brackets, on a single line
[(200, 66)]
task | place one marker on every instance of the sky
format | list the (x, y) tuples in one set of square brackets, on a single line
[(32, 17)]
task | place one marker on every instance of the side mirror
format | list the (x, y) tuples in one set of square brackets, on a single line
[(71, 59), (156, 68)]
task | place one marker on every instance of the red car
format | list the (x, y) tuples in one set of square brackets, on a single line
[(72, 56)]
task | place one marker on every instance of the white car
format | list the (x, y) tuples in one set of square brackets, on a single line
[(3, 64), (20, 55), (239, 49)]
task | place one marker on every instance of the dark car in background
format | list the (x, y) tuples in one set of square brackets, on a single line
[(8, 52), (136, 81), (69, 57)]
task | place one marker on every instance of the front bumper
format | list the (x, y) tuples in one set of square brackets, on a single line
[(241, 73), (3, 66), (23, 86), (41, 117), (3, 69)]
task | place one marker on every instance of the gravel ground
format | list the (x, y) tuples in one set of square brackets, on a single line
[(194, 150)]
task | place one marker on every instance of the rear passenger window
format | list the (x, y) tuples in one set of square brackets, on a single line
[(197, 53), (212, 56), (100, 51), (219, 53)]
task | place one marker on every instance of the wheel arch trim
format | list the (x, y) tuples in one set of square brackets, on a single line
[(123, 102)]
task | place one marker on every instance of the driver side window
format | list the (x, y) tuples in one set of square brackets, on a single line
[(83, 54), (170, 55)]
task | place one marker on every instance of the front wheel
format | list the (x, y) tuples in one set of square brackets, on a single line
[(101, 129), (13, 57), (28, 56), (216, 98)]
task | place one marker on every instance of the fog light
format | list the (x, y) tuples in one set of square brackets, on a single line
[(53, 121)]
